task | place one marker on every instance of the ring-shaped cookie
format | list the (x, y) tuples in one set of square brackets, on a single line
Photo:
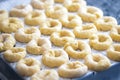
[(35, 18), (100, 41), (74, 5), (71, 21), (27, 34), (97, 62), (61, 37), (7, 41), (77, 49), (21, 10), (48, 74), (42, 4), (14, 54), (115, 33), (85, 31), (113, 52), (105, 23), (3, 14), (90, 13), (10, 25), (56, 11), (72, 69), (55, 58), (28, 66), (50, 26), (38, 46)]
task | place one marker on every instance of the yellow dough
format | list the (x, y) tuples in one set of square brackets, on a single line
[(97, 62), (100, 41), (115, 33), (14, 54), (72, 69), (3, 14), (105, 23), (50, 26), (27, 34), (85, 31), (55, 58), (56, 11), (74, 5), (38, 46), (35, 18), (90, 13), (71, 21), (28, 66), (7, 41), (42, 4), (61, 37), (113, 52), (21, 10), (49, 74), (72, 49), (10, 25)]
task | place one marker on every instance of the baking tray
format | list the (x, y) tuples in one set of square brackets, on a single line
[(113, 73)]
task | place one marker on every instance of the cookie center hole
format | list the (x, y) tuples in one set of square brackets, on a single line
[(102, 39), (64, 34), (96, 59), (90, 11), (118, 30), (57, 8), (70, 18), (29, 62), (35, 15), (21, 7), (40, 42), (43, 0), (57, 54), (53, 24), (73, 65), (47, 73), (28, 31), (106, 20), (87, 28), (11, 21), (17, 50), (117, 48), (1, 12)]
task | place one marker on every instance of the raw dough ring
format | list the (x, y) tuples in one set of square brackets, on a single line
[(105, 23), (21, 10), (56, 11), (27, 34), (72, 47), (28, 66), (55, 58), (3, 14), (38, 46), (85, 31), (90, 13), (74, 5), (50, 26), (72, 69), (7, 41), (42, 4), (35, 18), (10, 25), (114, 52), (15, 54), (100, 41), (61, 37), (97, 62), (115, 33), (49, 74), (71, 21)]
